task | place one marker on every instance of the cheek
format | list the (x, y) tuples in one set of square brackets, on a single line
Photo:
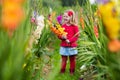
[(64, 18), (70, 18)]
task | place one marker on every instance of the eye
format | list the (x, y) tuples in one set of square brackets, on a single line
[(64, 16)]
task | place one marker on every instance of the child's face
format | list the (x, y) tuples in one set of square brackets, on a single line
[(66, 18)]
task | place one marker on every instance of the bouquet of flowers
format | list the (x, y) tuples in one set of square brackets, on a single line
[(56, 28)]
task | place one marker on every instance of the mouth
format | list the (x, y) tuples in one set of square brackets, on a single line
[(65, 20)]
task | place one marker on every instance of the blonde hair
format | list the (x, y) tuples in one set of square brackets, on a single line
[(73, 19)]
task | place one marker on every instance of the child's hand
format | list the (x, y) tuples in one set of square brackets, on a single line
[(67, 41), (64, 37)]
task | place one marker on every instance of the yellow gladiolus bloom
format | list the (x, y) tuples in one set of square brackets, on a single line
[(110, 19)]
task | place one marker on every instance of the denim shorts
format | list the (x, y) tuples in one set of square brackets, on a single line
[(68, 51)]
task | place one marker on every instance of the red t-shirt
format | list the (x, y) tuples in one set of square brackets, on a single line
[(71, 31)]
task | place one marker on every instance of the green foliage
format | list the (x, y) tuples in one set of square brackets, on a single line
[(73, 2), (44, 40), (68, 2), (100, 63), (12, 52), (93, 51), (51, 3)]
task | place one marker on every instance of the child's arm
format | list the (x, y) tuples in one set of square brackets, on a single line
[(62, 37)]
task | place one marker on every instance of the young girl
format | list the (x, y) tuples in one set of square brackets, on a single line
[(68, 42)]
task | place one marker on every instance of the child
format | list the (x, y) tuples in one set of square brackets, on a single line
[(68, 42)]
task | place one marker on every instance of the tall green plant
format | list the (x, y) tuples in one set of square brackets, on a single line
[(13, 49), (94, 50), (12, 52), (44, 40)]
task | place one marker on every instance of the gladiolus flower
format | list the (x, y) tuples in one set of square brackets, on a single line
[(82, 23), (110, 20), (51, 16), (114, 46), (15, 1), (1, 2), (36, 34), (59, 19), (11, 17), (57, 29), (96, 31), (33, 20), (12, 14)]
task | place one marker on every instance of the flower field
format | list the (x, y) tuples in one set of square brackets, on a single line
[(29, 46)]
